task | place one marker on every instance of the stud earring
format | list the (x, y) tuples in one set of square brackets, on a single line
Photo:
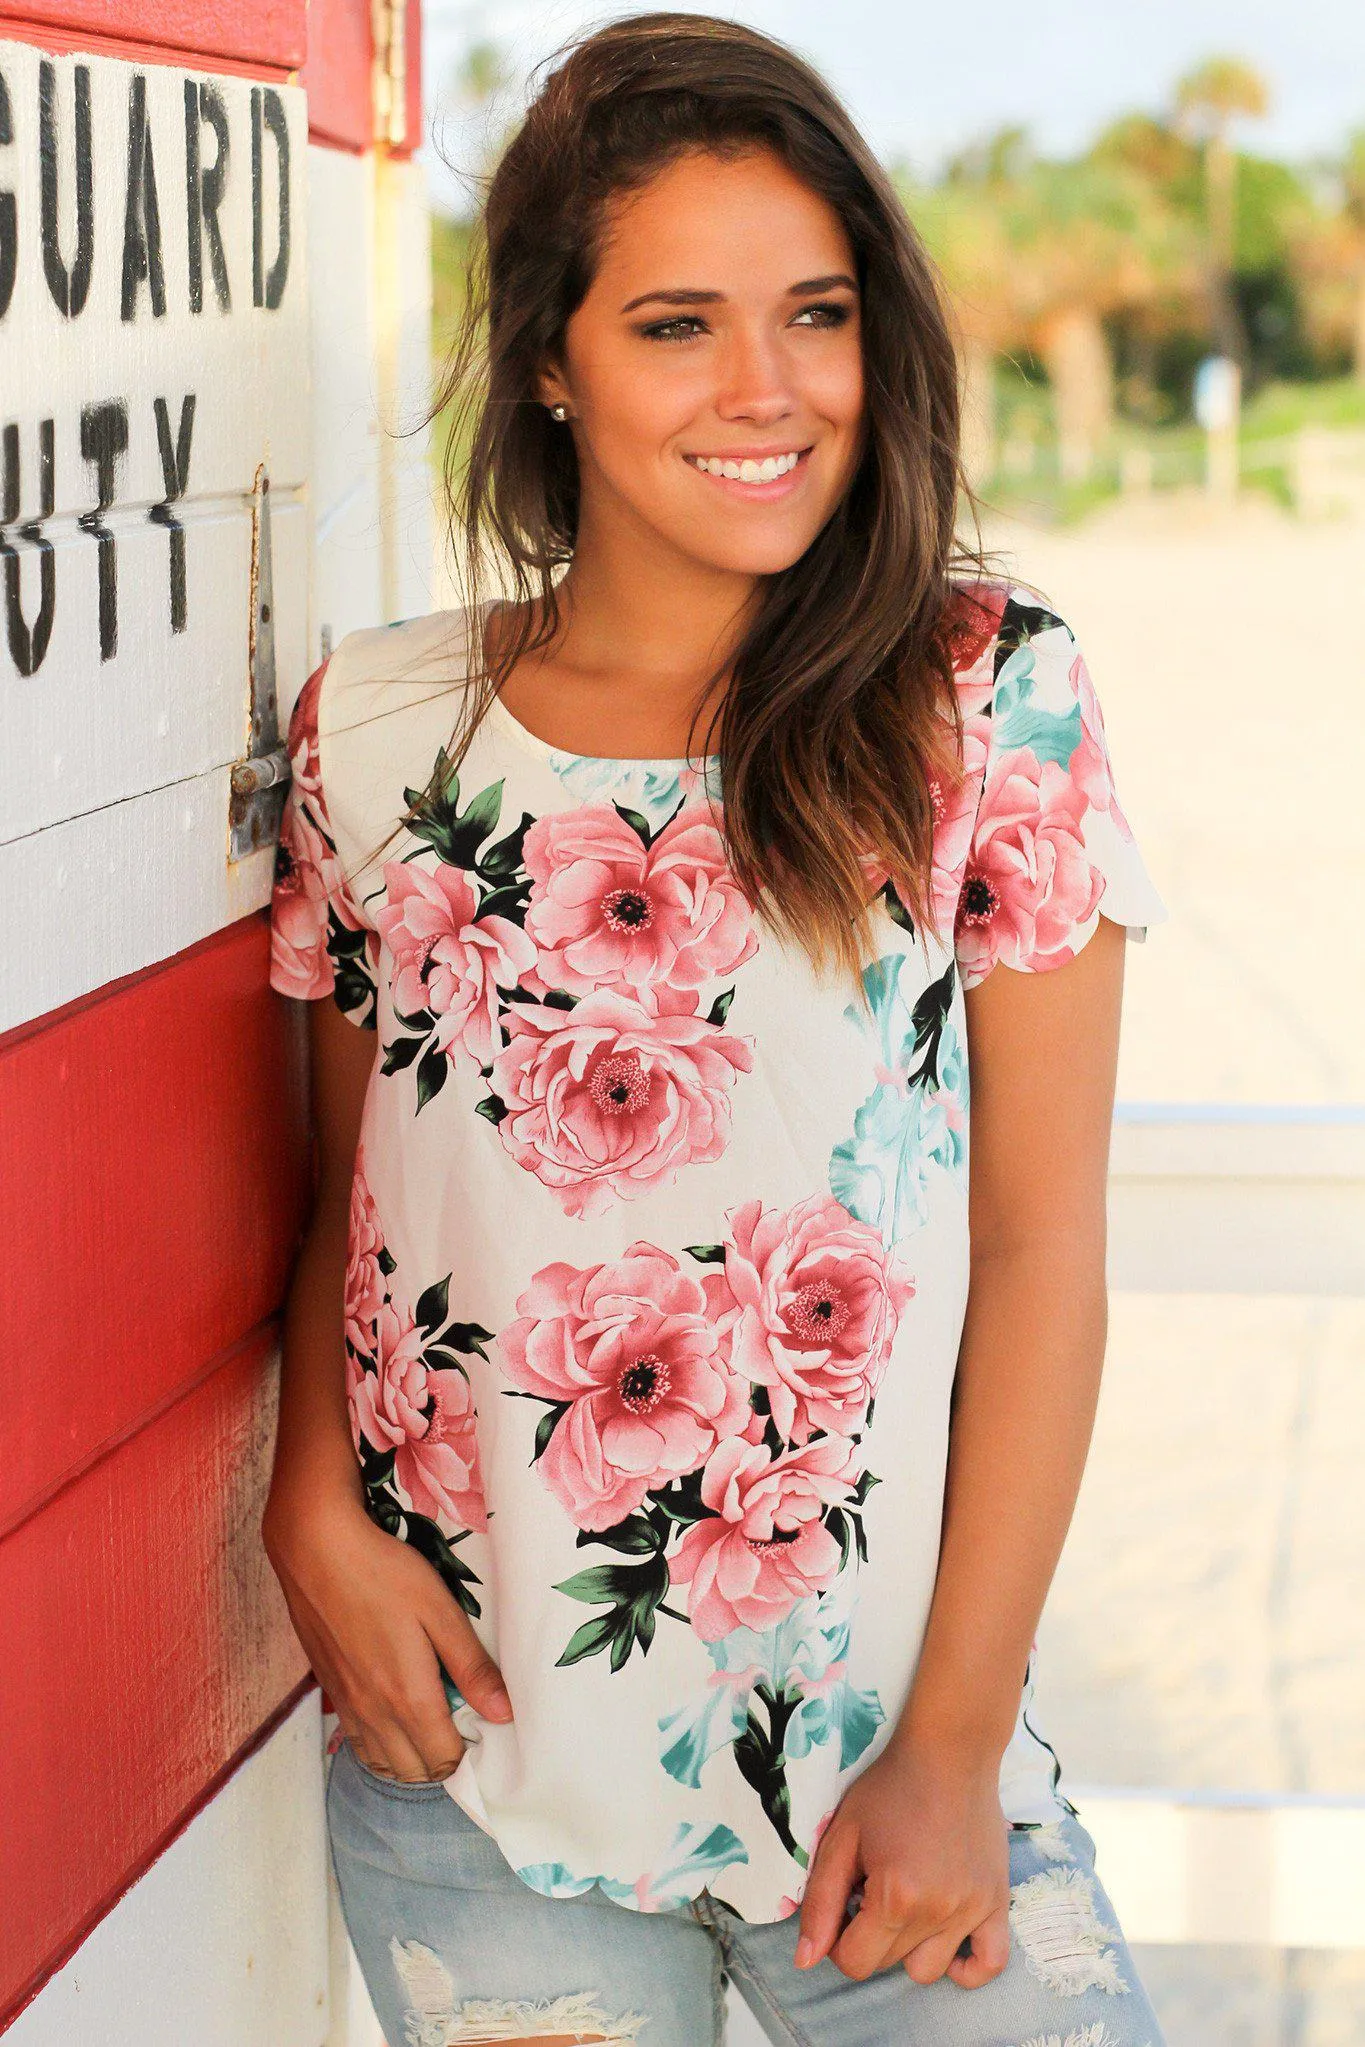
[(559, 412)]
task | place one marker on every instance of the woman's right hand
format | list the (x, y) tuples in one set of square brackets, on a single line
[(374, 1618)]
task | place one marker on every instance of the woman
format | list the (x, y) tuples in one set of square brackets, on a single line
[(667, 894)]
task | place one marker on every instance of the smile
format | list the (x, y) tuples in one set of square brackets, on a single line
[(749, 469)]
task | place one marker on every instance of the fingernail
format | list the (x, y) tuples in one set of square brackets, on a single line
[(805, 1950), (501, 1699)]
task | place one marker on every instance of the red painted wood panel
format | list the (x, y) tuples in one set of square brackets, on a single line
[(338, 75), (145, 1643), (158, 1172), (247, 34), (416, 116)]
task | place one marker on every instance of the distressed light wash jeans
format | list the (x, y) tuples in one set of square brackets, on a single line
[(456, 1949)]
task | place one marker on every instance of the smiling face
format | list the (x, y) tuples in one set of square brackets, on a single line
[(713, 372)]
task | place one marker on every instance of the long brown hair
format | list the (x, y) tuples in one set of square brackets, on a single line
[(840, 715)]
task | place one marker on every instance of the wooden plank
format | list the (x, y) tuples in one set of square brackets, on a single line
[(172, 706), (338, 75), (146, 1641), (260, 33), (157, 1157), (224, 1941), (199, 311)]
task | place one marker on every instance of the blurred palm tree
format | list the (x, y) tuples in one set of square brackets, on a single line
[(1329, 255), (1037, 254), (1209, 102)]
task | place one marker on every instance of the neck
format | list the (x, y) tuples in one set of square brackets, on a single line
[(631, 602)]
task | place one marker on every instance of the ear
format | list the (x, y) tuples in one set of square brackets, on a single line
[(551, 388)]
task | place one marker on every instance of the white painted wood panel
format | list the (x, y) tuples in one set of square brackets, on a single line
[(347, 563), (132, 334), (171, 706), (106, 894), (224, 1941)]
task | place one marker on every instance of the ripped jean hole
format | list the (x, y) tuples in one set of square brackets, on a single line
[(1084, 2036), (1065, 1943), (433, 2021)]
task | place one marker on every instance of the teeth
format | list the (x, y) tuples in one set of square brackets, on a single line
[(748, 471)]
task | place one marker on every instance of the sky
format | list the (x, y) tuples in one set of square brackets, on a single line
[(921, 81)]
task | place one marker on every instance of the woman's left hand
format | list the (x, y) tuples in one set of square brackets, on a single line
[(931, 1845)]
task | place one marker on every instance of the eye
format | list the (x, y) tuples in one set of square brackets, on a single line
[(680, 328), (830, 312)]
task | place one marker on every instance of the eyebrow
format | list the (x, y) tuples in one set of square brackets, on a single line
[(711, 298)]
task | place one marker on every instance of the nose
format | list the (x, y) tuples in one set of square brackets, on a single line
[(754, 382)]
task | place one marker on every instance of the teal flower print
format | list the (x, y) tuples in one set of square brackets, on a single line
[(696, 1854), (915, 1119)]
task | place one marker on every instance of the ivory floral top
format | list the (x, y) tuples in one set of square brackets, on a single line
[(658, 1245)]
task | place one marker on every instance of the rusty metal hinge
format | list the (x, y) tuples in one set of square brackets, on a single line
[(260, 781), (389, 73)]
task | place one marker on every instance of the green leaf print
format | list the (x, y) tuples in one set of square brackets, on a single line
[(503, 857), (759, 1752), (508, 901), (455, 835), (634, 820), (352, 979), (400, 1054), (547, 1425), (468, 1338), (636, 1592), (438, 1549), (433, 1306), (431, 1074), (634, 1537)]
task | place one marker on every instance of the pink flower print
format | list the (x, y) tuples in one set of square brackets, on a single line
[(428, 1419), (1029, 883), (610, 1099), (364, 1276), (631, 1345), (303, 733), (954, 818), (608, 911), (1090, 767), (447, 958), (817, 1301), (971, 624), (764, 1545), (307, 878)]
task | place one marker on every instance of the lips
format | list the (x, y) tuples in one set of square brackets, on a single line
[(753, 467)]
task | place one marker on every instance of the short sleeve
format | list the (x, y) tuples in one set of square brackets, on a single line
[(319, 942), (1051, 850)]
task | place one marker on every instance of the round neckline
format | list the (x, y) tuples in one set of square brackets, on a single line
[(532, 741)]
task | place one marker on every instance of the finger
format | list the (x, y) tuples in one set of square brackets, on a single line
[(931, 1958), (988, 1952), (881, 1934), (465, 1658), (389, 1752), (825, 1902), (418, 1711)]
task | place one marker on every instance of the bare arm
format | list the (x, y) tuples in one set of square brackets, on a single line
[(924, 1820), (372, 1614), (1044, 1050)]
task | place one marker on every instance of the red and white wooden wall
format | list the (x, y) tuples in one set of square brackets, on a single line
[(214, 316)]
